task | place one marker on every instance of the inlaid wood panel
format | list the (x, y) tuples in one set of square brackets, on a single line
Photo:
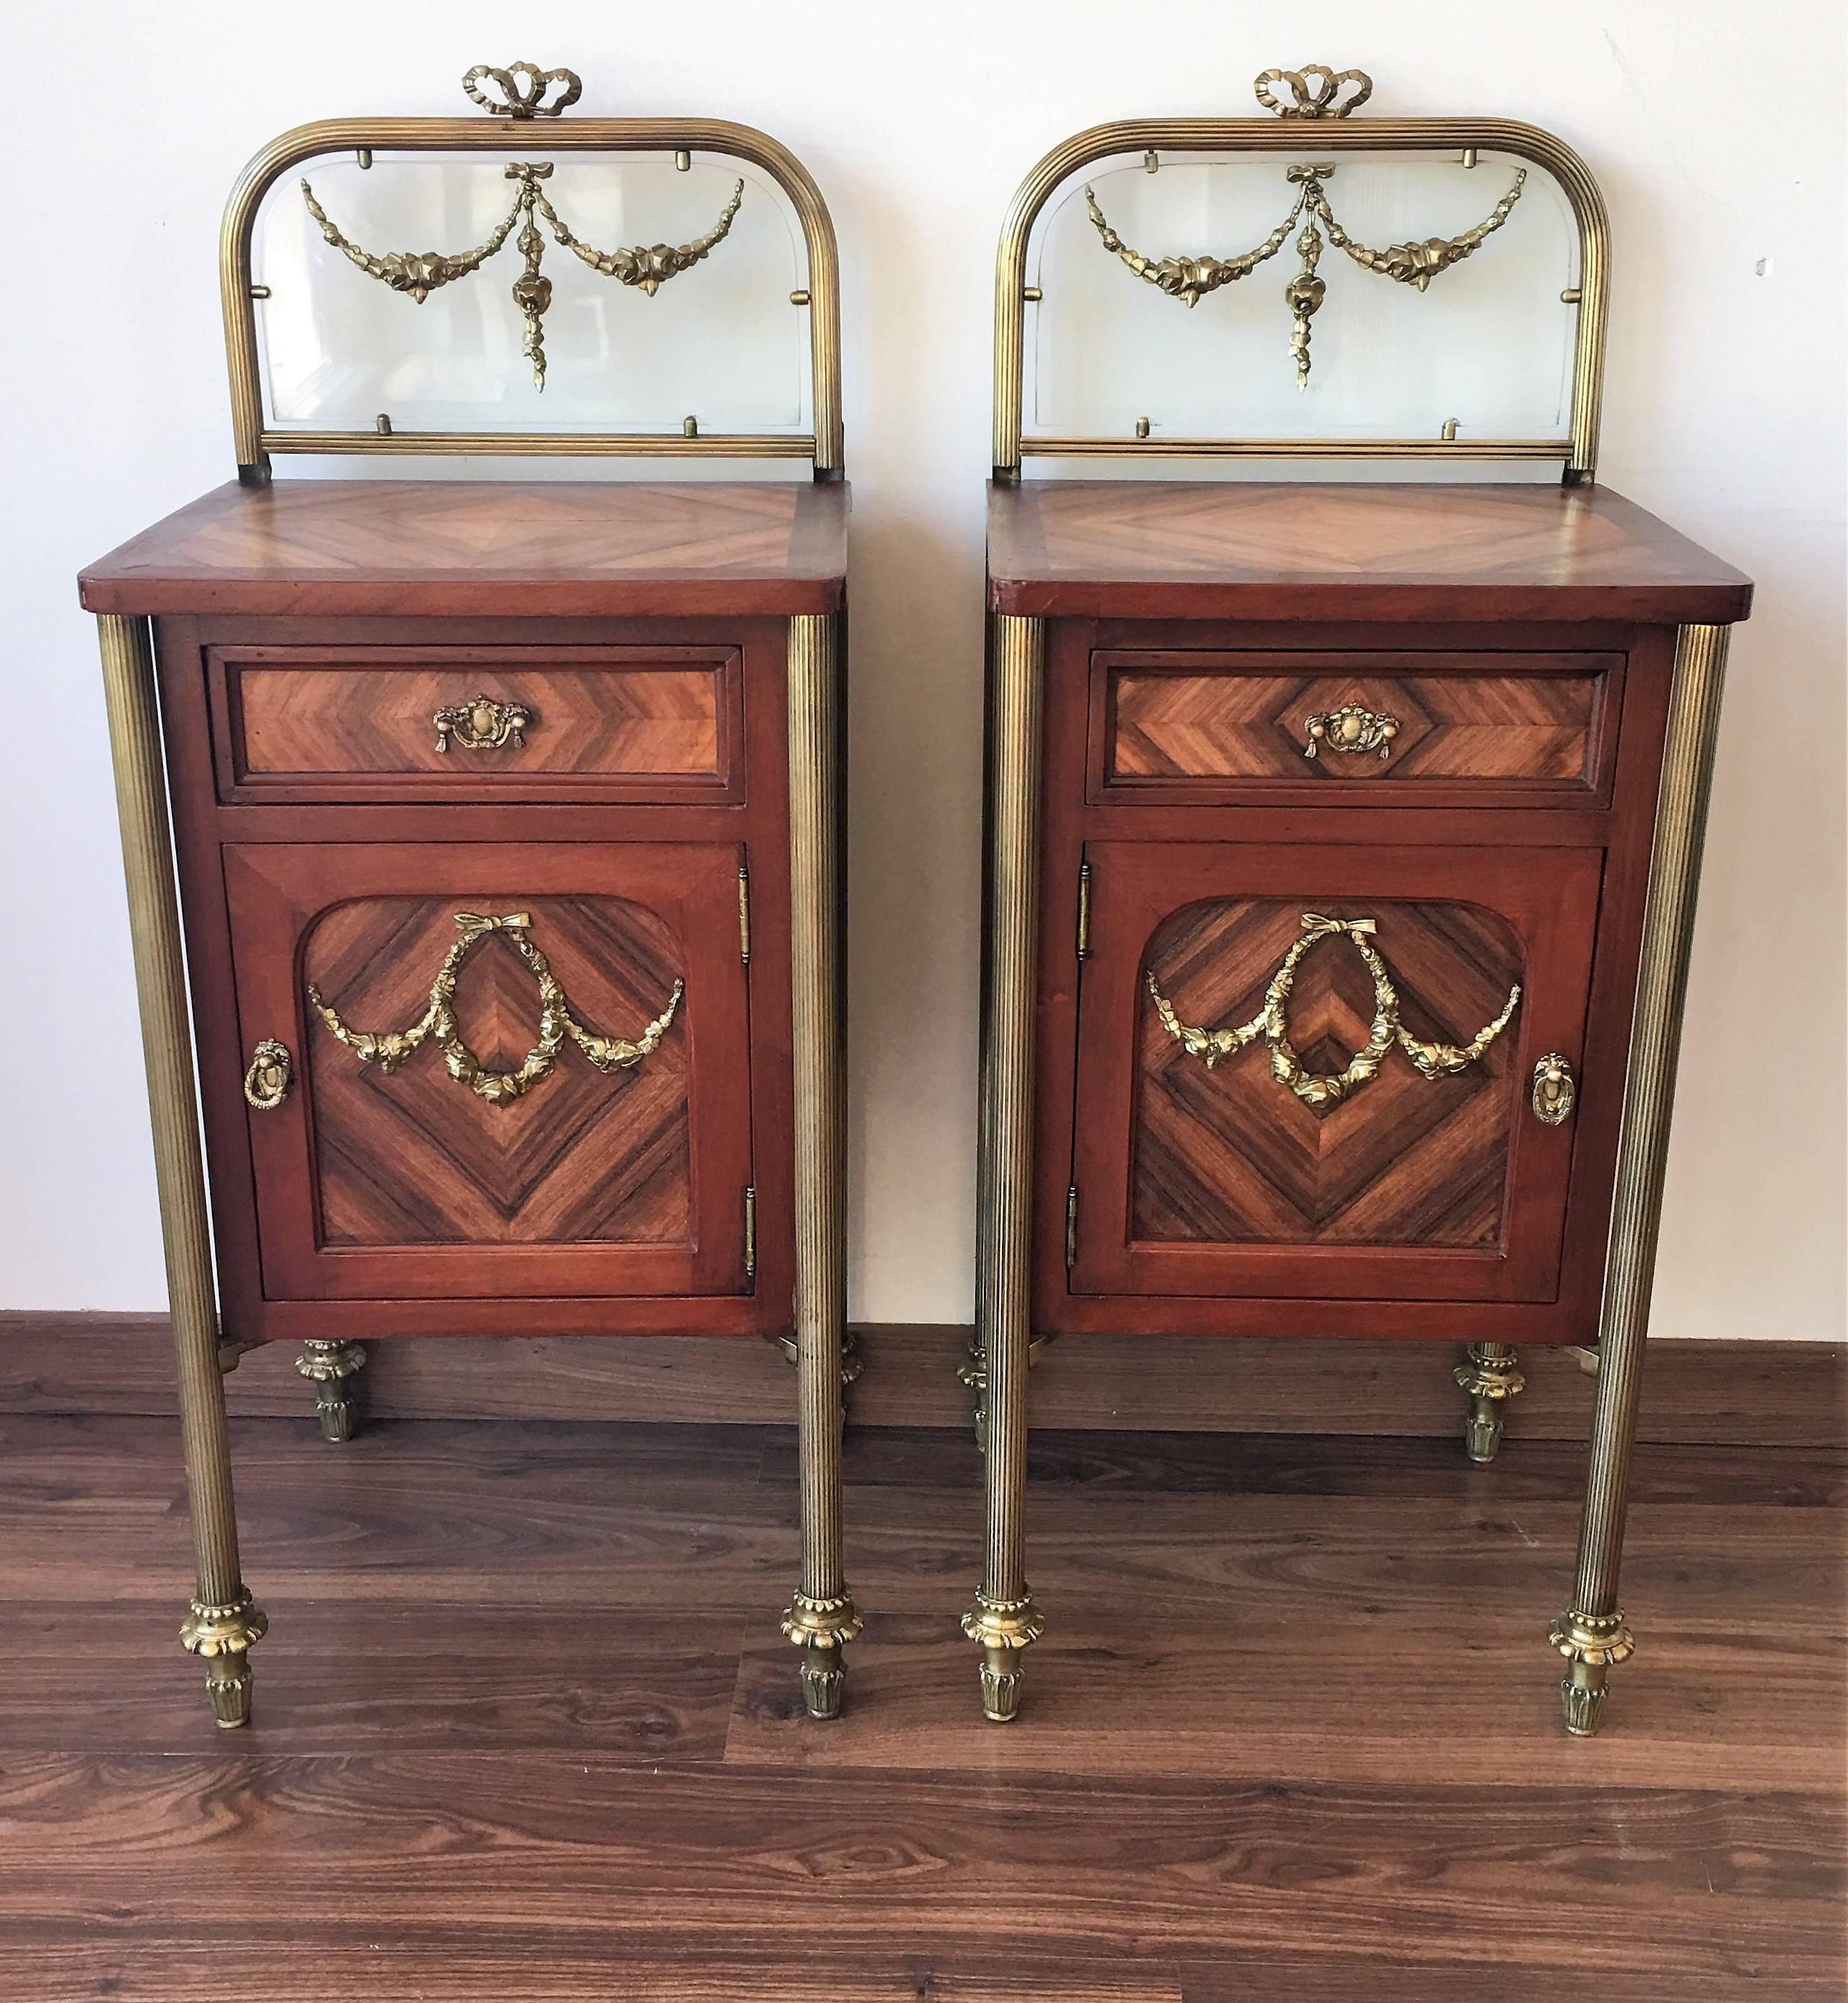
[(1529, 724), (407, 1183), (413, 1157), (1193, 1180), (1232, 1155), (615, 723)]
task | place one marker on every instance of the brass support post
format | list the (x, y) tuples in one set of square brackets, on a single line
[(1487, 1373), (1592, 1633), (1003, 1619), (820, 1619), (224, 1620), (331, 1368)]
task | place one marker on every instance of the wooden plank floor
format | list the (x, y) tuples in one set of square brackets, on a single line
[(527, 1730)]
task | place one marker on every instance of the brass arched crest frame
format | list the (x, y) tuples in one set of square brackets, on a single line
[(1322, 130), (502, 135)]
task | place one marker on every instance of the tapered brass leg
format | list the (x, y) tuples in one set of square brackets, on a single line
[(1003, 1619), (1592, 1633), (224, 1620), (1487, 1373), (822, 1618), (331, 1368)]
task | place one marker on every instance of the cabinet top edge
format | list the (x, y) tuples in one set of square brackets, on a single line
[(1332, 551), (517, 548)]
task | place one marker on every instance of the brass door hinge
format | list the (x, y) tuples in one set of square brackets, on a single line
[(744, 912), (750, 1233), (1071, 1227), (1084, 910)]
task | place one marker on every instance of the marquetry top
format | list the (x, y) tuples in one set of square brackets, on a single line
[(555, 548), (1249, 550)]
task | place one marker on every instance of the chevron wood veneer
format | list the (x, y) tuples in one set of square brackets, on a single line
[(1168, 722), (1231, 1155), (1263, 550), (548, 549), (414, 1158)]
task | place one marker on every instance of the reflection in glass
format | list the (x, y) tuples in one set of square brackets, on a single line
[(617, 347), (1489, 345)]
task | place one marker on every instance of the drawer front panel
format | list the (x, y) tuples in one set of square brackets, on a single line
[(383, 724), (518, 1070), (1185, 727), (1306, 1072)]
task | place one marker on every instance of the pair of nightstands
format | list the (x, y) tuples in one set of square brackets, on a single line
[(1342, 840)]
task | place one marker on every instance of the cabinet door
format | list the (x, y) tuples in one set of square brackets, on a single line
[(1286, 1166), (531, 1134)]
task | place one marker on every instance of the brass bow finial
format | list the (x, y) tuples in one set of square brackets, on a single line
[(1316, 89), (523, 86)]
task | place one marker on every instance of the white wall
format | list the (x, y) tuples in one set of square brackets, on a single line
[(1724, 412)]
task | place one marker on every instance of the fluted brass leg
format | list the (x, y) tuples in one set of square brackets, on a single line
[(224, 1620), (1592, 1633), (822, 1618), (852, 1359), (331, 1368), (1487, 1373), (972, 1372), (1004, 1620)]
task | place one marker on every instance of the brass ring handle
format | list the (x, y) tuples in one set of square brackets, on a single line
[(482, 724), (267, 1083), (1555, 1090), (1351, 729)]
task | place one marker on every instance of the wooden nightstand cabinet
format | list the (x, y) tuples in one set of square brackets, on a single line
[(1342, 837), (1322, 897), (505, 821)]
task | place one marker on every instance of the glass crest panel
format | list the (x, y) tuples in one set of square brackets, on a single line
[(658, 337), (1486, 341)]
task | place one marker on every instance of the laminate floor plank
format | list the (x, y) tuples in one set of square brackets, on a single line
[(713, 1861)]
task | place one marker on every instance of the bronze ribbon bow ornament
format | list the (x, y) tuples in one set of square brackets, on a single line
[(556, 1023), (1434, 1060)]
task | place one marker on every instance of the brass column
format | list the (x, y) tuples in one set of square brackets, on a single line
[(820, 1619), (224, 1620), (1592, 1633), (1003, 1619)]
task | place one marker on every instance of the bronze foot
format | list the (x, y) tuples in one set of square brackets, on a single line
[(223, 1637), (1488, 1374), (1592, 1644), (1003, 1629), (822, 1628), (330, 1367)]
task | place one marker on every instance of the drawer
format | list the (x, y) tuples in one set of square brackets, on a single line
[(1185, 727), (386, 723)]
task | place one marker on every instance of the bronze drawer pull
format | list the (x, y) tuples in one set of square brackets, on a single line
[(1555, 1090), (482, 724), (389, 1049), (1434, 1060), (1352, 729), (268, 1081)]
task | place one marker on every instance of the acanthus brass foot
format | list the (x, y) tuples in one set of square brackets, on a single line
[(822, 1628), (1592, 1644), (1488, 1374), (223, 1637), (329, 1367), (1003, 1629)]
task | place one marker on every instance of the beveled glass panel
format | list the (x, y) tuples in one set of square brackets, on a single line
[(1489, 343), (720, 341)]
